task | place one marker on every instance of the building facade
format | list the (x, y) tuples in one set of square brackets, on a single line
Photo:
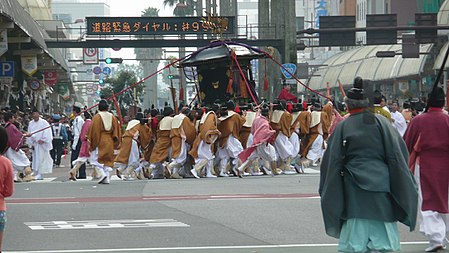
[(73, 13)]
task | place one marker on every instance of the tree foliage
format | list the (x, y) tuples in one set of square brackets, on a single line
[(125, 76), (182, 7)]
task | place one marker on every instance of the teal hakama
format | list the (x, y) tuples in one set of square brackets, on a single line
[(366, 186)]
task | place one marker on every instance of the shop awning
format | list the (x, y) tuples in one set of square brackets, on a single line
[(363, 62), (12, 10)]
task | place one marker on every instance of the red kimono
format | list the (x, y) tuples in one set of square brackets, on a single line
[(427, 139), (285, 95)]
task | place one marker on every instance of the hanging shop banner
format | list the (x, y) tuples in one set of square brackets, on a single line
[(29, 64), (50, 77), (3, 41)]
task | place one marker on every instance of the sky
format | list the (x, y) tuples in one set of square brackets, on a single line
[(134, 8)]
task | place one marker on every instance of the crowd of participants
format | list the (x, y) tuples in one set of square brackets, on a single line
[(225, 139), (282, 137)]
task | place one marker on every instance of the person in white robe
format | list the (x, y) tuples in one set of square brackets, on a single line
[(40, 141), (398, 119)]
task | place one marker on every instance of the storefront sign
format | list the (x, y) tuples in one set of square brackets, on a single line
[(50, 77), (29, 64), (3, 42)]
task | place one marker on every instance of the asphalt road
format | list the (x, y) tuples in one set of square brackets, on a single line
[(253, 214)]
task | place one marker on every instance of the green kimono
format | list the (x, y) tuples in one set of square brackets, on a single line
[(364, 174)]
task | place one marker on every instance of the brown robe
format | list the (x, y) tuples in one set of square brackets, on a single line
[(246, 129), (229, 125), (125, 148), (147, 142), (208, 133), (185, 129), (284, 124), (163, 143), (326, 119), (295, 121), (105, 140)]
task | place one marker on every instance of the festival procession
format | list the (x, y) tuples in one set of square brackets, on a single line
[(381, 161)]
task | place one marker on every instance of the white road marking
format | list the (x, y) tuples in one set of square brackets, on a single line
[(45, 203), (100, 224), (273, 198), (196, 248), (44, 198)]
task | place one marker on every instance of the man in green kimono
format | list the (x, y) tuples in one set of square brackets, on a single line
[(365, 184)]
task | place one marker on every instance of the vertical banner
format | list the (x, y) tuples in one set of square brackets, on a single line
[(29, 64), (50, 77), (3, 41)]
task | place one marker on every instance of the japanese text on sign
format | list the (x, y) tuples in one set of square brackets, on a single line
[(150, 25)]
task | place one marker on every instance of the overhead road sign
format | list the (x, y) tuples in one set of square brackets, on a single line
[(96, 70), (288, 69), (107, 71), (152, 25), (381, 37), (426, 35), (90, 55), (329, 37)]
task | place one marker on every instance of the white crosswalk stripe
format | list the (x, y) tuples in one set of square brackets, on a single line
[(101, 224)]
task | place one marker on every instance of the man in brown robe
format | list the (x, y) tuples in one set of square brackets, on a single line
[(162, 146), (245, 132), (319, 128), (182, 135), (202, 149), (104, 137), (281, 121), (136, 134), (229, 146)]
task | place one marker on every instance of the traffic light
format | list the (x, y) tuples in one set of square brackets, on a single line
[(113, 60), (172, 76), (101, 82)]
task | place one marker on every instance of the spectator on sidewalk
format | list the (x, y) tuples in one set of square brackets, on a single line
[(6, 181), (77, 125), (59, 140)]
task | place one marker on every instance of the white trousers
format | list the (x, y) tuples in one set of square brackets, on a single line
[(316, 150), (249, 142), (283, 146), (265, 152), (42, 161), (182, 158), (18, 159), (232, 149), (204, 152), (294, 140), (434, 225), (134, 157)]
